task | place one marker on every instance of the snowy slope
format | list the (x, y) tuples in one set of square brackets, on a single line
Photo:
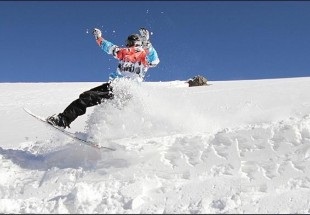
[(231, 147)]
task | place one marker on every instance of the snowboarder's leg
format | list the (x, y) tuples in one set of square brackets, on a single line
[(78, 107), (87, 99)]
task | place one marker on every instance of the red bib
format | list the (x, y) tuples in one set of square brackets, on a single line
[(132, 55)]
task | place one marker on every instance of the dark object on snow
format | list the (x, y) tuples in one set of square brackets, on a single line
[(197, 81), (87, 99)]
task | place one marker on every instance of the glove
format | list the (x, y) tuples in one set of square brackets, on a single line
[(145, 35), (97, 33)]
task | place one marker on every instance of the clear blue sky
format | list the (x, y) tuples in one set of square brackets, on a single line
[(222, 40)]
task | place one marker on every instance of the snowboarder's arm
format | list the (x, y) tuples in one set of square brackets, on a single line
[(105, 45), (108, 47), (152, 57)]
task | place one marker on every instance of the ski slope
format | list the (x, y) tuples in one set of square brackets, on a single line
[(230, 147)]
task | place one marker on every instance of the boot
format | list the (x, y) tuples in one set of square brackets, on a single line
[(58, 121)]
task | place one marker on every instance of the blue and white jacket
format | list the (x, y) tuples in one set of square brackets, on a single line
[(133, 61)]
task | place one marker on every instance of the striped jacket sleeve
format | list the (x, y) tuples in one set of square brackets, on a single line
[(152, 57), (108, 47)]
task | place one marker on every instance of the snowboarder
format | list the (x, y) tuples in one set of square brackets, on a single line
[(134, 61)]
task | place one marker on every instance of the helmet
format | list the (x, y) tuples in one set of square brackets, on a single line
[(133, 40)]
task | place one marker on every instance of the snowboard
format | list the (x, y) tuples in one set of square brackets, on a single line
[(67, 133)]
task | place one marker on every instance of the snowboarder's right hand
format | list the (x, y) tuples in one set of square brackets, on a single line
[(97, 33)]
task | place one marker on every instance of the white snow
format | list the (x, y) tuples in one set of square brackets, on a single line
[(230, 147)]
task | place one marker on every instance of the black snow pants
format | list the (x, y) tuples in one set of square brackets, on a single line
[(87, 99)]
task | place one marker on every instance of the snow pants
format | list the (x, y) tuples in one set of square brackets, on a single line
[(87, 99)]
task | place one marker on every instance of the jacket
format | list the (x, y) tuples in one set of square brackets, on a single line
[(133, 61)]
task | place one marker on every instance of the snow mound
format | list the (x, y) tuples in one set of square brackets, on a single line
[(231, 147)]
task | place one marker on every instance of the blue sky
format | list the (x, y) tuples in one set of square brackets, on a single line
[(51, 41)]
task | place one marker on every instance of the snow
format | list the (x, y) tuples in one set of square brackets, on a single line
[(230, 147)]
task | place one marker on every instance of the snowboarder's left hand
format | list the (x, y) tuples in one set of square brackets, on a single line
[(97, 33), (145, 35)]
